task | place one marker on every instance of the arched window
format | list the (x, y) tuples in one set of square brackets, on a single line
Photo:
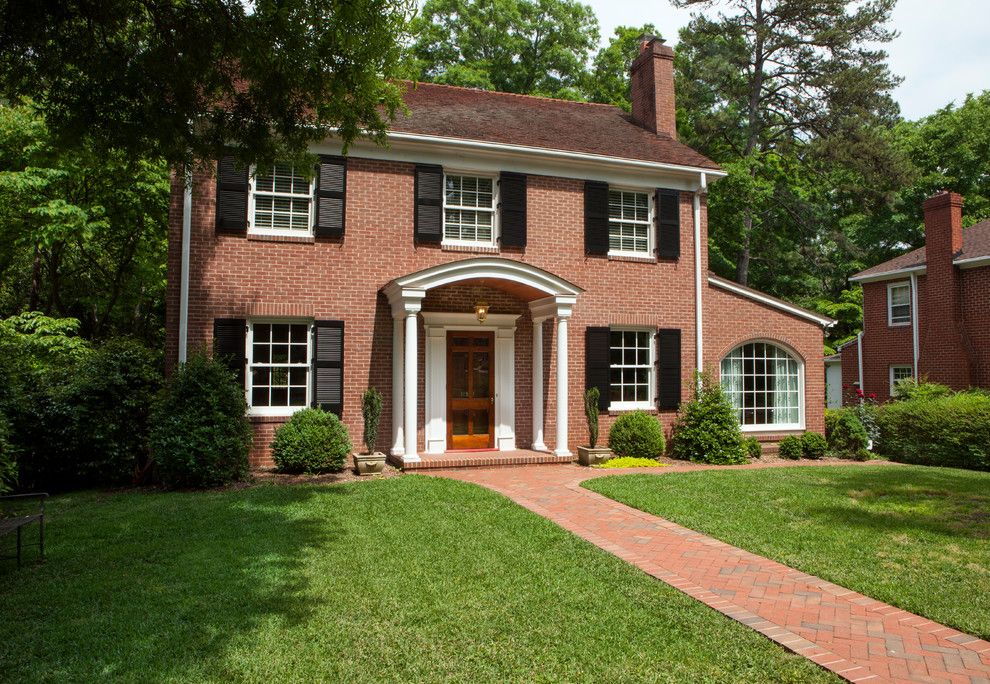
[(765, 383)]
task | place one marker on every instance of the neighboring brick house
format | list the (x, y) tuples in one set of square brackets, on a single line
[(926, 313), (502, 254)]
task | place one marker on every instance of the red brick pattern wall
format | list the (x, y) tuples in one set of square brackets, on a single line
[(652, 93), (976, 320)]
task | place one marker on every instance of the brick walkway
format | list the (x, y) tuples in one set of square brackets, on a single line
[(850, 634)]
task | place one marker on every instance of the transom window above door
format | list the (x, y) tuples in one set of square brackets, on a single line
[(281, 202), (469, 214), (629, 222)]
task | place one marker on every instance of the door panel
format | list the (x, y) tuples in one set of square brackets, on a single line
[(470, 390)]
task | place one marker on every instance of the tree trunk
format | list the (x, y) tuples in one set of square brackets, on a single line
[(35, 280), (742, 262)]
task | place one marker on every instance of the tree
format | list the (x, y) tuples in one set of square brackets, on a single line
[(770, 76), (537, 47), (608, 81), (186, 79)]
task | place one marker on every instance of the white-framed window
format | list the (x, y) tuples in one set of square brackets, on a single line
[(630, 369), (280, 202), (898, 373), (765, 383), (469, 210), (899, 304), (279, 357), (630, 222)]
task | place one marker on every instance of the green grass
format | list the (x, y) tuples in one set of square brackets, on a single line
[(915, 537), (405, 579)]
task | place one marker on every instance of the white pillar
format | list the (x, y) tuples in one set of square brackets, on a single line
[(398, 387), (411, 387), (561, 447), (538, 444)]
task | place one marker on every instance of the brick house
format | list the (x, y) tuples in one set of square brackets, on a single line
[(502, 254), (926, 313)]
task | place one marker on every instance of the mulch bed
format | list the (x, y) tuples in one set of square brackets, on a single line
[(268, 475)]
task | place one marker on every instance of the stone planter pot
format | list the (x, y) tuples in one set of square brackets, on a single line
[(588, 456), (369, 464)]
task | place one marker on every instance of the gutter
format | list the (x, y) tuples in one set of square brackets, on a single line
[(184, 264), (770, 301), (698, 309), (887, 275), (859, 355), (914, 324)]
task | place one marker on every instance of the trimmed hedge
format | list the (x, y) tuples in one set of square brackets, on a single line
[(813, 445), (790, 447), (844, 433), (949, 431), (312, 441), (753, 447), (637, 434)]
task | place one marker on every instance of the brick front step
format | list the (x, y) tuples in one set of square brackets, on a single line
[(481, 459)]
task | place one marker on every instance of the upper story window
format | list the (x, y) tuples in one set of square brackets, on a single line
[(899, 303), (630, 369), (630, 221), (281, 202), (764, 382), (278, 367), (469, 215)]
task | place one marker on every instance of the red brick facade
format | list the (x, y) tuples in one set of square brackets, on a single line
[(652, 95)]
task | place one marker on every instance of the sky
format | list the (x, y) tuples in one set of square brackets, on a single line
[(943, 51)]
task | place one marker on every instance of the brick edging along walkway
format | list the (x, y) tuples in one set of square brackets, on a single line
[(857, 637)]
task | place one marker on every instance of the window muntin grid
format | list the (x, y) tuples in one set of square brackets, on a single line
[(630, 368), (763, 382), (282, 201), (899, 304), (278, 366), (898, 373), (469, 209), (629, 222)]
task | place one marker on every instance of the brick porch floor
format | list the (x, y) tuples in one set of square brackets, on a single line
[(850, 634), (482, 459)]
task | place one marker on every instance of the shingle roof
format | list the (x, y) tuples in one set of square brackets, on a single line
[(976, 243), (483, 115)]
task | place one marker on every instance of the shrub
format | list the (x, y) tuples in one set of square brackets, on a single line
[(790, 447), (312, 441), (846, 436), (947, 431), (371, 410), (909, 389), (8, 458), (813, 445), (591, 397), (630, 462), (707, 430), (200, 435), (637, 434), (751, 445)]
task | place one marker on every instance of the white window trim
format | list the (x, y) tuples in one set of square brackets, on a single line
[(775, 427), (253, 230), (891, 375), (496, 210), (650, 225), (619, 406), (249, 352), (890, 307)]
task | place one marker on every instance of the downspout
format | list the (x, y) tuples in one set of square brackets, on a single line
[(859, 354), (184, 264), (698, 313), (914, 325)]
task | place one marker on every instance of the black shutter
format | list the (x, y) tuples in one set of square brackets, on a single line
[(512, 195), (668, 208), (232, 196), (331, 190), (595, 217), (229, 344), (669, 368), (328, 366), (428, 221), (596, 362)]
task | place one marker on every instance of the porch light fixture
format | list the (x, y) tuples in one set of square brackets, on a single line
[(481, 311)]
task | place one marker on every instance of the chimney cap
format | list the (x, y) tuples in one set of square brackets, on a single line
[(649, 38)]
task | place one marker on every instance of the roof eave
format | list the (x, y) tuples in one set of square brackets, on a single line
[(888, 275), (773, 302)]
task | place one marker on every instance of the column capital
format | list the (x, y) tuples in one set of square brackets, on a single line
[(559, 306), (404, 300)]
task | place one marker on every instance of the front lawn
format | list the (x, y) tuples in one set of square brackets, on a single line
[(399, 580), (912, 536)]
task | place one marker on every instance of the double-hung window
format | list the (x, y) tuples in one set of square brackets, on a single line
[(630, 221), (278, 367), (281, 202), (469, 210), (899, 304), (630, 369), (898, 373)]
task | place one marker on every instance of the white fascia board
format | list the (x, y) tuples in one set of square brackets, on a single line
[(771, 302), (973, 262), (888, 275), (487, 157)]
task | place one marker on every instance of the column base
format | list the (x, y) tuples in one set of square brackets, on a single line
[(562, 452), (397, 451), (539, 446)]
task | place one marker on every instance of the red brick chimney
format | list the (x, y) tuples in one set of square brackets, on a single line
[(653, 87), (944, 351)]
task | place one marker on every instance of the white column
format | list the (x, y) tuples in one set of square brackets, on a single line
[(538, 444), (561, 448), (411, 387), (398, 387)]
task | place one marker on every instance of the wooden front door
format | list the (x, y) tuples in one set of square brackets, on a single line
[(470, 390)]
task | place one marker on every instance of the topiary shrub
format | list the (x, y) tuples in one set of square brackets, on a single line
[(813, 445), (312, 441), (707, 429), (200, 435), (846, 436), (790, 447), (371, 411), (752, 447), (591, 397), (637, 434)]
